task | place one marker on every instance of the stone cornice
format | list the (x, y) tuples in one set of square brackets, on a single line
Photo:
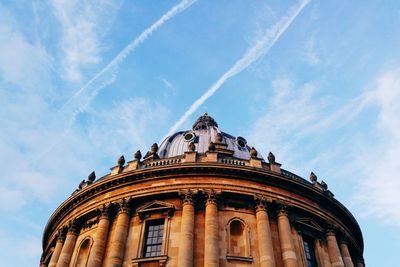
[(265, 177)]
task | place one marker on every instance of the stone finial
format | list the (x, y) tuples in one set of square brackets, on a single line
[(253, 153), (324, 185), (211, 146), (138, 155), (121, 161), (271, 157), (218, 138), (92, 177), (191, 147), (313, 177), (81, 184), (154, 148)]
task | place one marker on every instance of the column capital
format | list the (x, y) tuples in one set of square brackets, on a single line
[(211, 197), (330, 230), (282, 210), (360, 260), (187, 197), (73, 227), (124, 206), (261, 203), (104, 212), (61, 235), (343, 240)]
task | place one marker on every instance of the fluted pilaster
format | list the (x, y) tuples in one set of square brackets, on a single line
[(69, 245), (100, 239), (333, 249), (57, 249), (286, 240), (185, 256), (118, 241), (264, 235), (211, 248)]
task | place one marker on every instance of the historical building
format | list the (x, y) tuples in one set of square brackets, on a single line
[(202, 198)]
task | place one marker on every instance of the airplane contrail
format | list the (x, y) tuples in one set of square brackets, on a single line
[(82, 102), (253, 53), (113, 65)]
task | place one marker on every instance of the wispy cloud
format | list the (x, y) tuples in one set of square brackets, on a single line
[(310, 53), (378, 154), (297, 118), (82, 23), (22, 63), (83, 97), (259, 49)]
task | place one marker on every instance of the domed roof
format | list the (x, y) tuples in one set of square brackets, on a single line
[(204, 131)]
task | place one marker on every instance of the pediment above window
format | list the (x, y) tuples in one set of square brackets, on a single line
[(155, 207), (309, 225)]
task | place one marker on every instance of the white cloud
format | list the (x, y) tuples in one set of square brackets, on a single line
[(126, 125), (297, 120), (378, 160), (290, 111), (310, 53), (22, 63), (83, 24)]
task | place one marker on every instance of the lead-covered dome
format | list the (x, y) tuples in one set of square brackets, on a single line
[(205, 131)]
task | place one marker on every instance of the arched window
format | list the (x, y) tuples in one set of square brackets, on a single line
[(83, 253), (238, 243)]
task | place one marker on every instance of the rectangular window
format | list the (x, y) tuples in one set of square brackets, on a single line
[(309, 251), (153, 238)]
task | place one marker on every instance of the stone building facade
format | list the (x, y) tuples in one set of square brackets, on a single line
[(202, 198)]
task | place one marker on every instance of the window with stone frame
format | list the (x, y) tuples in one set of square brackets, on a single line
[(309, 251), (153, 240)]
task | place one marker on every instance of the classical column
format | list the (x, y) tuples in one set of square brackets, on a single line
[(360, 262), (117, 249), (68, 247), (211, 247), (185, 256), (344, 250), (57, 249), (333, 249), (286, 240), (100, 239), (265, 246), (323, 258)]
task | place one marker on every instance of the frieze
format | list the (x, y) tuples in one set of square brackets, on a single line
[(222, 171), (90, 223)]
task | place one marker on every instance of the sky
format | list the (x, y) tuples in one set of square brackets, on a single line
[(84, 82)]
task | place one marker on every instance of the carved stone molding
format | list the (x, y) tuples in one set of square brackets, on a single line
[(155, 206), (187, 196), (282, 209), (261, 203), (330, 230), (61, 234), (73, 227), (89, 224), (211, 197), (124, 205), (104, 212)]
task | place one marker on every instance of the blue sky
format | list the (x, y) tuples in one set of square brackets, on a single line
[(82, 82)]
